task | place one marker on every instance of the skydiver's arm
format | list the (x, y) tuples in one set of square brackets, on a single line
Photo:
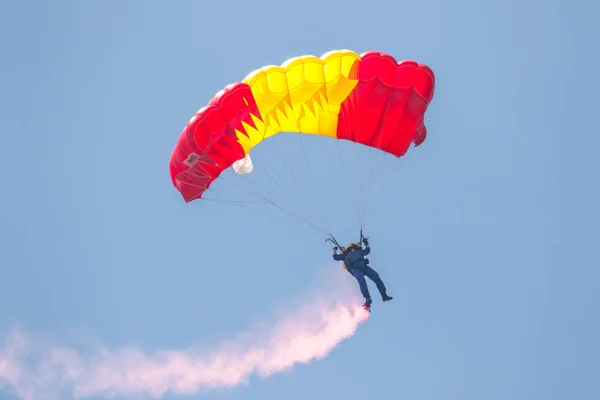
[(338, 257), (367, 249)]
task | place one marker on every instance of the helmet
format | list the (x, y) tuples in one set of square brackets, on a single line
[(352, 246)]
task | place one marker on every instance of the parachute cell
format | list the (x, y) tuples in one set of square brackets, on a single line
[(369, 99)]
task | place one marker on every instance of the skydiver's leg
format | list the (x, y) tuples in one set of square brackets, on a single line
[(362, 283), (374, 276)]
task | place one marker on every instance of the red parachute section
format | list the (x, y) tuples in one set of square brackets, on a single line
[(210, 138), (386, 109)]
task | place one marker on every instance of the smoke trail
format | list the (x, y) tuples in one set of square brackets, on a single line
[(35, 371)]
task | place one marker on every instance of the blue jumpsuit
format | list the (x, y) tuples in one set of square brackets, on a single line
[(358, 268)]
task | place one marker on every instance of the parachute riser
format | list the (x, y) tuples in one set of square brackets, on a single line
[(332, 240), (362, 238)]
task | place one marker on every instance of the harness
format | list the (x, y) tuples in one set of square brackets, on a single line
[(353, 263)]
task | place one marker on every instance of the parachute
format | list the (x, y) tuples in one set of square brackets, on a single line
[(368, 99)]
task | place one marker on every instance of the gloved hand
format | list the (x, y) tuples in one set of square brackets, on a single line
[(366, 242)]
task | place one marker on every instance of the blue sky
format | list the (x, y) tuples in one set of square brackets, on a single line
[(486, 237)]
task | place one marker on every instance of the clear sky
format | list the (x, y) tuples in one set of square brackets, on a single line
[(487, 236)]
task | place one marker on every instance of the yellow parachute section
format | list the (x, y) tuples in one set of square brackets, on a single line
[(304, 95)]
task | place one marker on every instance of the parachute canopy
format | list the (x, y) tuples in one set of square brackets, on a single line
[(370, 99)]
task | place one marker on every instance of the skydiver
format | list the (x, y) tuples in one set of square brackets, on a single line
[(354, 260)]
